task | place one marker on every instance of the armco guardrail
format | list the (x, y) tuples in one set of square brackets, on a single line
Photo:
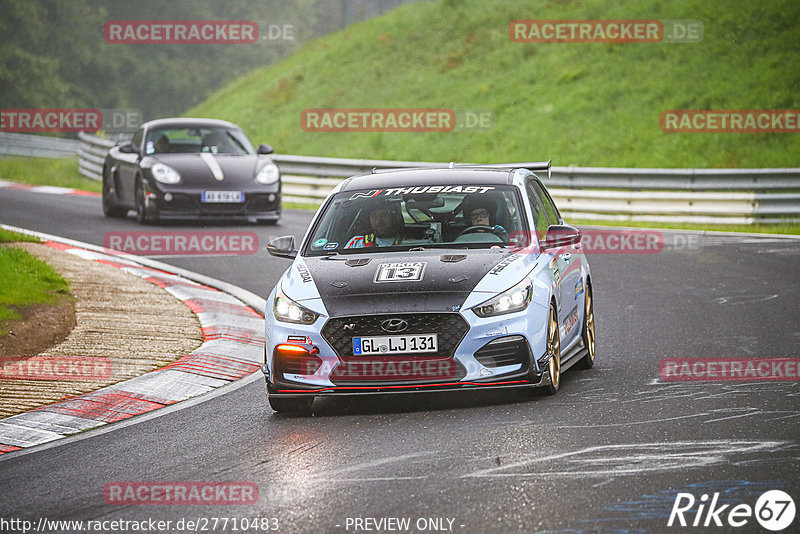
[(735, 196), (13, 144), (92, 154)]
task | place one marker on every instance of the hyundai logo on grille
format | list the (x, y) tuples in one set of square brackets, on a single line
[(394, 325)]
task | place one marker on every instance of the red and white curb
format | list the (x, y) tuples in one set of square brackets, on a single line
[(233, 344), (47, 189)]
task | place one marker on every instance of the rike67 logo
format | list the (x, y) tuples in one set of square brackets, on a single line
[(774, 510)]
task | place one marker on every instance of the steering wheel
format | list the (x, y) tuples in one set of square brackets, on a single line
[(502, 236), (478, 228)]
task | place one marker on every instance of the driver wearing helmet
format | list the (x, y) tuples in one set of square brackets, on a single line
[(385, 229), (478, 214)]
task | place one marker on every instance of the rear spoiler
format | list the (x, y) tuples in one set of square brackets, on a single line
[(531, 166)]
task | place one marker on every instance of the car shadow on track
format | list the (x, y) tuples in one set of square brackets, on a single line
[(428, 401)]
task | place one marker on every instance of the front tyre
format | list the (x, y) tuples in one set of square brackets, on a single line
[(110, 208), (142, 215), (554, 350), (588, 332), (301, 405)]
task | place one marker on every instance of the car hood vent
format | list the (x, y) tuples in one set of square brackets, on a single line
[(358, 262), (453, 258)]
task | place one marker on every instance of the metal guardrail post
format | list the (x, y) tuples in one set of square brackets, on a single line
[(92, 154)]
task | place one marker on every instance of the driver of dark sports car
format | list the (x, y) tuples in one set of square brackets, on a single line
[(162, 145), (386, 231), (216, 142)]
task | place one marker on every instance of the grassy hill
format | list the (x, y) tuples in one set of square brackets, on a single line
[(582, 104)]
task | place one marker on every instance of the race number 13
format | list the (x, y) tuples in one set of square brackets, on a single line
[(406, 271)]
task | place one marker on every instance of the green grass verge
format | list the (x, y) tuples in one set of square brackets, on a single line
[(7, 236), (26, 280), (61, 172), (301, 205)]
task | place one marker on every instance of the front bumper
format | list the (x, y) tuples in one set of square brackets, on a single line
[(187, 204), (294, 390), (495, 353)]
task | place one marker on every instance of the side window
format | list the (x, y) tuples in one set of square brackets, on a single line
[(539, 216), (137, 138), (552, 213)]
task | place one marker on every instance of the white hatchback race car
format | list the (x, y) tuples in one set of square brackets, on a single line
[(427, 280)]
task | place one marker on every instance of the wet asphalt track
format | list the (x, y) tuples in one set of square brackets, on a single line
[(608, 453)]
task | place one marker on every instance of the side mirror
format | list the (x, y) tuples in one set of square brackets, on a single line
[(128, 148), (264, 149), (561, 235), (282, 247)]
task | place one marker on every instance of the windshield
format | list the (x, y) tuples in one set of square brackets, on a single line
[(451, 216), (194, 140)]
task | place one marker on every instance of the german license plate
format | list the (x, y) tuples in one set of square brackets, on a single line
[(418, 343), (223, 196)]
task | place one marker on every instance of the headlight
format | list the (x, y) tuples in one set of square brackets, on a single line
[(165, 174), (288, 311), (269, 174), (513, 300)]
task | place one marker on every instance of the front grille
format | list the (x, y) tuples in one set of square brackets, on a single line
[(253, 202), (449, 327), (222, 207), (509, 350), (180, 202)]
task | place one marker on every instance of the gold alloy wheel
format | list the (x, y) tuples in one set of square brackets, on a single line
[(554, 349), (589, 314), (587, 334)]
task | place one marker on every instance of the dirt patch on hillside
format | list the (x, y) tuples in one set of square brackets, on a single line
[(41, 327)]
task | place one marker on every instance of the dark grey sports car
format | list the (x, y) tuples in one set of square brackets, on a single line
[(191, 168)]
